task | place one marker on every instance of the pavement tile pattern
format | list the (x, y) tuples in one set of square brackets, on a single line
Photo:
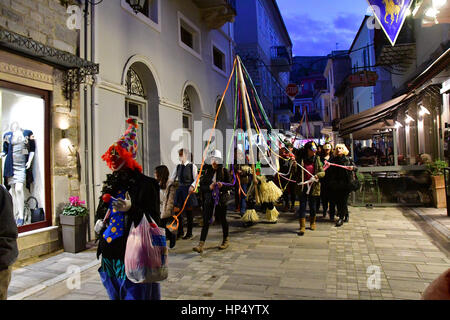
[(269, 261)]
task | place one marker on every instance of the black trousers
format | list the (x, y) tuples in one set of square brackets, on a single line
[(169, 235), (190, 222), (341, 203), (220, 213)]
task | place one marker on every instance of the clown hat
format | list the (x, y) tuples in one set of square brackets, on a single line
[(124, 151)]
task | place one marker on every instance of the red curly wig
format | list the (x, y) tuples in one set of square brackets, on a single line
[(116, 155)]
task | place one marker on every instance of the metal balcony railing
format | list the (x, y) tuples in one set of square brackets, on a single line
[(281, 52)]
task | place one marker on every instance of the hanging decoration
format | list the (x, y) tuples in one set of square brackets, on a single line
[(391, 15)]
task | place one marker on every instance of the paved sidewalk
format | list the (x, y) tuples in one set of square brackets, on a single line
[(437, 219), (269, 261)]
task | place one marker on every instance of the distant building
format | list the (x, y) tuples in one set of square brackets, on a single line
[(337, 70), (362, 55), (264, 45)]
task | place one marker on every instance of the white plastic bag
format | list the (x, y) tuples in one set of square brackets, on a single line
[(146, 253)]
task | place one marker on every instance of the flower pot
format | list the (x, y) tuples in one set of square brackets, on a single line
[(438, 187), (73, 232)]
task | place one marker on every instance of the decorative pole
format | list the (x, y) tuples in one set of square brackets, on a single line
[(249, 128)]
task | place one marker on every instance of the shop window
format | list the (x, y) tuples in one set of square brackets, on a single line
[(189, 36), (25, 153), (136, 110)]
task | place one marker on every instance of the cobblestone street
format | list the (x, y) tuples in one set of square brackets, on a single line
[(269, 261)]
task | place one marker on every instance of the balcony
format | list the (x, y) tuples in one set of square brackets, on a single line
[(281, 59), (215, 13)]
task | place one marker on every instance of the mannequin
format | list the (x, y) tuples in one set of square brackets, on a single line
[(19, 148)]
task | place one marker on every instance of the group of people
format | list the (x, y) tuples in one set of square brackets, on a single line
[(313, 175)]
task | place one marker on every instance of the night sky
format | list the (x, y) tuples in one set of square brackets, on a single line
[(316, 25)]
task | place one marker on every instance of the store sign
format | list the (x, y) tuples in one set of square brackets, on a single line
[(363, 79), (391, 15)]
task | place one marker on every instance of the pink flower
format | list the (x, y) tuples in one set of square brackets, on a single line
[(75, 201)]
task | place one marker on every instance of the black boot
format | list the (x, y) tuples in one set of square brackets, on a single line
[(340, 222), (346, 218)]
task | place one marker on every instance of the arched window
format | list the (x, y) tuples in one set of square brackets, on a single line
[(187, 103), (134, 84)]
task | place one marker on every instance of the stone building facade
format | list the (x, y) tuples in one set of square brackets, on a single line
[(37, 49)]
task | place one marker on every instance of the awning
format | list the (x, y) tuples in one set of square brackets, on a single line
[(78, 70), (375, 116)]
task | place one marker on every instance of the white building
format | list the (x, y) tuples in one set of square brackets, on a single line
[(166, 65)]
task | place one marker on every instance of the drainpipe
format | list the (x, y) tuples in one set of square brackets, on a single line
[(86, 134), (92, 103)]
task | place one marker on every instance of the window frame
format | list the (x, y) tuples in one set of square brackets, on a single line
[(48, 130), (142, 120), (225, 58), (142, 17), (197, 36)]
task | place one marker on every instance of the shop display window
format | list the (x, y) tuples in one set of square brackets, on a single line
[(24, 157)]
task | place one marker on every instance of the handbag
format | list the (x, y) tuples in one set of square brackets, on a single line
[(37, 214), (354, 183), (146, 253)]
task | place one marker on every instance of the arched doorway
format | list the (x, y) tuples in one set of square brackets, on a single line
[(192, 111), (142, 103)]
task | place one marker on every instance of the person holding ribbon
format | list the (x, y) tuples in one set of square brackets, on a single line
[(312, 171), (324, 184), (215, 186), (127, 195), (339, 176)]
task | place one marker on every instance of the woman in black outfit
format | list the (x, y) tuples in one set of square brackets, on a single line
[(339, 182), (212, 178)]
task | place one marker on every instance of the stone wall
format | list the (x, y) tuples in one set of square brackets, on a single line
[(45, 21), (42, 20)]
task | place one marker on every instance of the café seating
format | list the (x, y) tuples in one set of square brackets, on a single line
[(370, 183)]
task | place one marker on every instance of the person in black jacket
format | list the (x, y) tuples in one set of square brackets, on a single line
[(339, 181), (324, 182), (215, 195), (8, 241), (136, 195)]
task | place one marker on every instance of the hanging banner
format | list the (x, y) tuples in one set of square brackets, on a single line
[(391, 15)]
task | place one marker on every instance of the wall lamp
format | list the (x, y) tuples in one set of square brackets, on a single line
[(137, 5), (409, 119), (423, 111)]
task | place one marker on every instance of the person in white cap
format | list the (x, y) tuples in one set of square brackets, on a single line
[(215, 195)]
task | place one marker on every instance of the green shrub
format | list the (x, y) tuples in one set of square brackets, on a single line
[(436, 168)]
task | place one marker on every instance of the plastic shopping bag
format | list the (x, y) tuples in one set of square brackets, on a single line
[(146, 253)]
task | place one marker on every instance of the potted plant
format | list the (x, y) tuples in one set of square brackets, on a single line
[(73, 222), (436, 170)]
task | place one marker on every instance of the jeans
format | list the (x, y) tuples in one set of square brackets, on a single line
[(312, 202), (220, 213)]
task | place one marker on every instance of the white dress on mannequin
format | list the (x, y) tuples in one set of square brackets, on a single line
[(20, 165)]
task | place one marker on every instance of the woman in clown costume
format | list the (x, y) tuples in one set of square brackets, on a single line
[(127, 195)]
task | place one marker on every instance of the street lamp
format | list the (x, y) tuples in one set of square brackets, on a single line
[(137, 5)]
